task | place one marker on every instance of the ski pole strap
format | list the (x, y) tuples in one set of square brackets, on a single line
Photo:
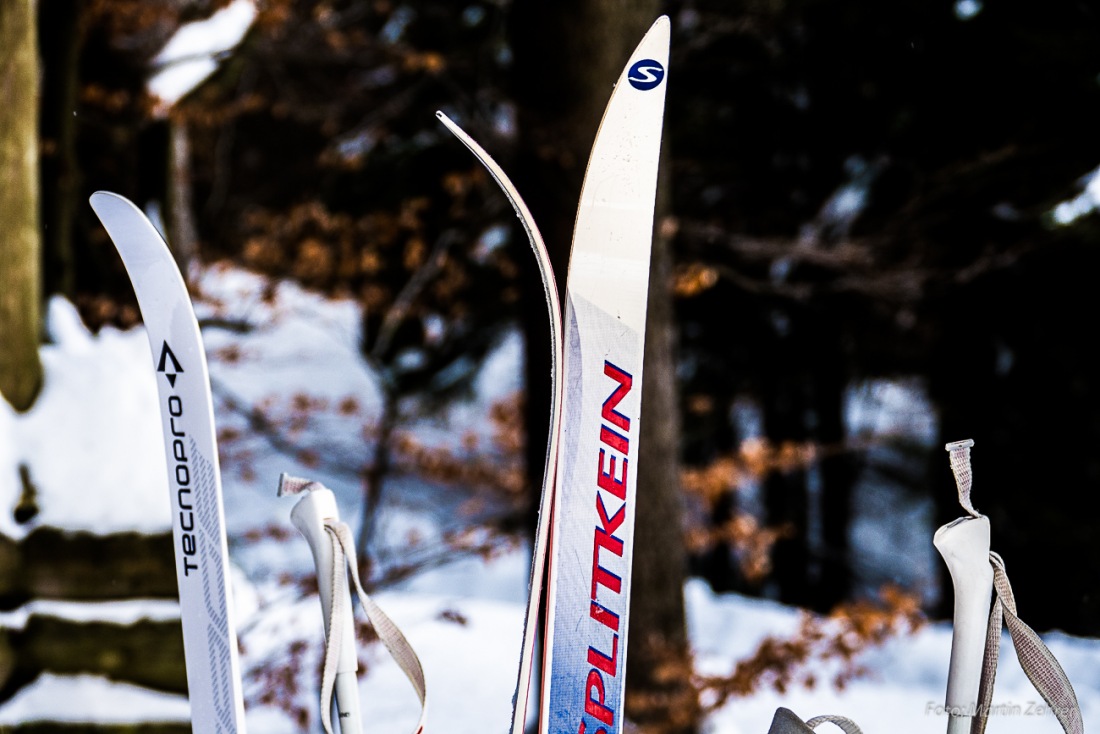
[(960, 467), (843, 722), (317, 517), (1038, 663), (343, 556), (786, 721)]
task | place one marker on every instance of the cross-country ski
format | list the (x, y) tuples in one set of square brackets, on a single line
[(592, 537), (194, 476), (540, 546)]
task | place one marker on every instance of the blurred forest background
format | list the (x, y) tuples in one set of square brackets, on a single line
[(853, 194)]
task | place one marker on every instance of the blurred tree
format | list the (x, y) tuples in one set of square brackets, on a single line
[(317, 156), (60, 169), (860, 192), (20, 245), (867, 192)]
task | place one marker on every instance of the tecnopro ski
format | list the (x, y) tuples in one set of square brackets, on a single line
[(194, 478), (606, 294)]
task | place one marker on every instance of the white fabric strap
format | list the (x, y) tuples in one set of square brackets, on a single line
[(290, 485), (343, 555), (844, 723), (1038, 663), (960, 467)]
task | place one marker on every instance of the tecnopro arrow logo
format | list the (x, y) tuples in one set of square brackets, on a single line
[(167, 356)]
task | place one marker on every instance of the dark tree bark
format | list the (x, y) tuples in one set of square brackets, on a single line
[(60, 168), (838, 472), (804, 401), (182, 233), (785, 500)]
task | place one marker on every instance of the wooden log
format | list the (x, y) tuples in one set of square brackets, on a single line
[(51, 563), (147, 653)]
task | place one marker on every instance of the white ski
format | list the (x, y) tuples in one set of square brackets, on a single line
[(521, 701), (194, 478), (606, 293)]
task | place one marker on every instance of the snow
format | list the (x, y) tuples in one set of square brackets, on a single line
[(1086, 202), (92, 446), (193, 53), (116, 612), (967, 9), (94, 404), (86, 698)]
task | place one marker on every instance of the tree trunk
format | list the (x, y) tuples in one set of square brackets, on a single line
[(20, 368), (56, 564), (838, 474), (568, 57), (182, 232), (786, 496), (60, 169), (147, 652)]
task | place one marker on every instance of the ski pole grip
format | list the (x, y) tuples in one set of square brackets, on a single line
[(964, 545), (309, 515)]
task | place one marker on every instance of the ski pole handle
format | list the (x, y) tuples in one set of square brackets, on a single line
[(964, 545), (309, 515)]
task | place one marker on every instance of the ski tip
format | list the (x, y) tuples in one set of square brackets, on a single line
[(448, 123), (661, 30), (957, 445), (462, 135), (105, 196), (656, 41), (104, 200)]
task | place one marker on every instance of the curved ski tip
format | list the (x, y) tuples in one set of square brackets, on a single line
[(101, 200), (105, 195), (662, 26), (448, 122), (656, 41), (659, 32), (459, 133)]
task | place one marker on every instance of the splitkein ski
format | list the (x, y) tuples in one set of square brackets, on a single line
[(607, 289), (596, 391)]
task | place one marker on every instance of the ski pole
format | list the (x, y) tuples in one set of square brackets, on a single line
[(309, 515), (964, 545)]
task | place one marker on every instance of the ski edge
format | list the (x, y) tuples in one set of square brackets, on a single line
[(540, 552)]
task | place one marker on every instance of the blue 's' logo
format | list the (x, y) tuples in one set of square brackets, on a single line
[(646, 74)]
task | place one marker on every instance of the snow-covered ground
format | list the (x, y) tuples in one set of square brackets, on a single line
[(95, 431)]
